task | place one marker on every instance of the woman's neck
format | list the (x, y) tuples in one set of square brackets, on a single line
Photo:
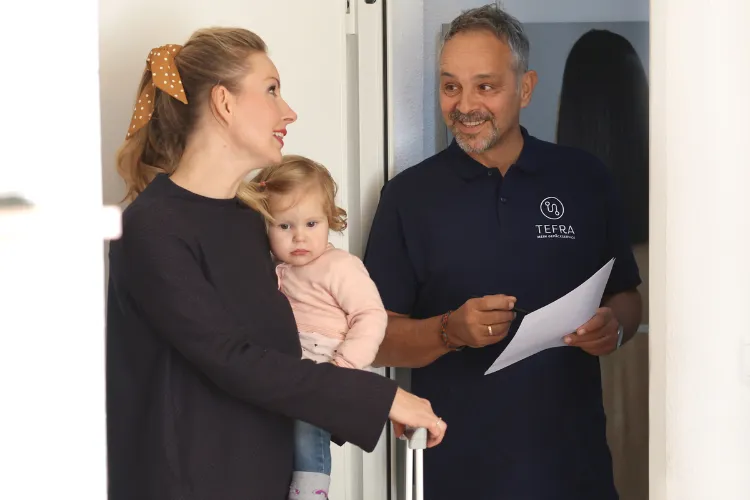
[(211, 169)]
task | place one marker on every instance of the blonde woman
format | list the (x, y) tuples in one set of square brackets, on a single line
[(204, 371)]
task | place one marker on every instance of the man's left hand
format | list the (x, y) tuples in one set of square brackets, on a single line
[(598, 336)]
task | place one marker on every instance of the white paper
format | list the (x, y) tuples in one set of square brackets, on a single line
[(545, 328)]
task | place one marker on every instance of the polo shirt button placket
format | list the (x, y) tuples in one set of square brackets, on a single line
[(500, 202)]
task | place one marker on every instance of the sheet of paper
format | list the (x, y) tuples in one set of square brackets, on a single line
[(545, 328)]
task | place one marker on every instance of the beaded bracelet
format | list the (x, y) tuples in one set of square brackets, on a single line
[(444, 334)]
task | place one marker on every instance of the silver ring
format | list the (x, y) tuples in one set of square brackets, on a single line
[(489, 329)]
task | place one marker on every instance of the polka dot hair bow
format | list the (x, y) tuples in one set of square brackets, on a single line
[(165, 78)]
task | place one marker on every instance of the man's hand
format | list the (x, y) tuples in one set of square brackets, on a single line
[(598, 336), (482, 321)]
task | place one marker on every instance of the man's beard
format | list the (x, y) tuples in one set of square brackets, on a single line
[(464, 140)]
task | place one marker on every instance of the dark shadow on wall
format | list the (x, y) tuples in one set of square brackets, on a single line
[(604, 110)]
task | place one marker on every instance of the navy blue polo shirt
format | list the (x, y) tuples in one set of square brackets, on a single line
[(449, 229)]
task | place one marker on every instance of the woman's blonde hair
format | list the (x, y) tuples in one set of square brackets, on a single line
[(292, 173), (210, 57)]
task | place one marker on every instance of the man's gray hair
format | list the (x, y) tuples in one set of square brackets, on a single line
[(504, 26)]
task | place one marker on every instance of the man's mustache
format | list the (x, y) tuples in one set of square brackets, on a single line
[(473, 116)]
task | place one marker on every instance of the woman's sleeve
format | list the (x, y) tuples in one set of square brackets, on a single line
[(165, 282)]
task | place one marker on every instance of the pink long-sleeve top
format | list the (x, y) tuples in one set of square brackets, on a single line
[(340, 315)]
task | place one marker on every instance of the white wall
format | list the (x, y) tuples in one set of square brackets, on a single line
[(319, 131), (415, 124)]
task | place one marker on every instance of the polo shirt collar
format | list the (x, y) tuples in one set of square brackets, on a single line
[(468, 168)]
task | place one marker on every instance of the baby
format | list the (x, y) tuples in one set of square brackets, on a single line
[(339, 313)]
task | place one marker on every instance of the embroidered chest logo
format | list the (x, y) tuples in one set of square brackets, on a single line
[(553, 209)]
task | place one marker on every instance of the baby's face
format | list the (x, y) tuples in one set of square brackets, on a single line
[(299, 234)]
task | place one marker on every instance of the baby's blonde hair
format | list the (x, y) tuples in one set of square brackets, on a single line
[(292, 173)]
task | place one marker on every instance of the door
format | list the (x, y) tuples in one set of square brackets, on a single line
[(52, 227)]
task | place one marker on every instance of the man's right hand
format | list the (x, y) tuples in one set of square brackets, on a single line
[(482, 321)]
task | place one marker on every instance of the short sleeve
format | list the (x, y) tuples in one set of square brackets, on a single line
[(625, 275), (387, 257)]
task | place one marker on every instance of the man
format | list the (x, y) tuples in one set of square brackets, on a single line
[(498, 219)]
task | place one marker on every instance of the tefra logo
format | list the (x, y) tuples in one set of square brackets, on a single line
[(553, 209)]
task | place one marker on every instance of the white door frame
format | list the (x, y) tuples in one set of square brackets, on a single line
[(699, 230), (366, 474)]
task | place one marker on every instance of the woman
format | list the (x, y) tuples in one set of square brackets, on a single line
[(204, 369)]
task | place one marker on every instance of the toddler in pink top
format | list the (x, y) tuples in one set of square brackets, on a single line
[(339, 313)]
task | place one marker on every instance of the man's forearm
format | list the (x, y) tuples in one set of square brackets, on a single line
[(627, 308), (410, 343)]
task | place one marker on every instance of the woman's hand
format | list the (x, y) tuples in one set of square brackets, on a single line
[(408, 409)]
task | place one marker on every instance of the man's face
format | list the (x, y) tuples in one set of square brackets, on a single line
[(480, 93)]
